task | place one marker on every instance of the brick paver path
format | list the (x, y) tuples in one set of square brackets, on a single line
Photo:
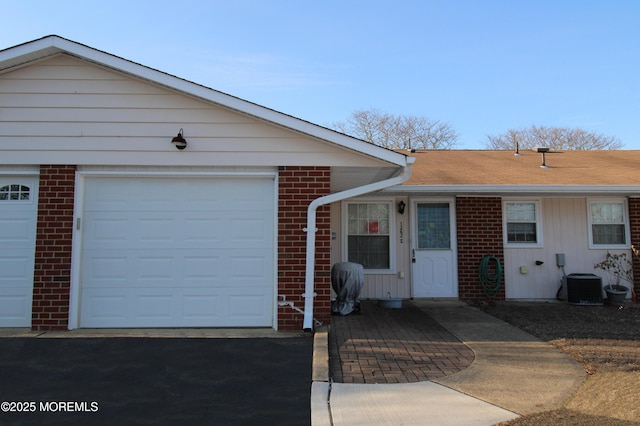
[(393, 346)]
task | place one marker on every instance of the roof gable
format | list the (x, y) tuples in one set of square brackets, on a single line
[(45, 47)]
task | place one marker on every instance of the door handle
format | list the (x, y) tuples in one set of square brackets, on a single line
[(413, 255)]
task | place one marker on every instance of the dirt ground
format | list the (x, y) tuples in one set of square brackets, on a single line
[(605, 339)]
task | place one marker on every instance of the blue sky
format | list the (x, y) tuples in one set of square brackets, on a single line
[(482, 66)]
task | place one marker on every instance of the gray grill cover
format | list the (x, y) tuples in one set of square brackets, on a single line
[(347, 279)]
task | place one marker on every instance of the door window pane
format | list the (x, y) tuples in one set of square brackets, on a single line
[(434, 227)]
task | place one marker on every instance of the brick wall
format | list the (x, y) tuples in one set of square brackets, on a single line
[(634, 220), (298, 186), (51, 281), (479, 226)]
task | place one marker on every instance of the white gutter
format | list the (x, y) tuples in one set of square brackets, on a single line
[(311, 230)]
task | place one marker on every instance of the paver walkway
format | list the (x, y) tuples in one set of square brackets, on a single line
[(393, 346)]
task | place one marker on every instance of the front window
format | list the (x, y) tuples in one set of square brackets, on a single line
[(368, 241), (608, 223), (522, 223)]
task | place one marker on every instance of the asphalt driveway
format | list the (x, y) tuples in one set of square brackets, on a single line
[(155, 381)]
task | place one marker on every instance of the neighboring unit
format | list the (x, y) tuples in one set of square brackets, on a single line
[(428, 236)]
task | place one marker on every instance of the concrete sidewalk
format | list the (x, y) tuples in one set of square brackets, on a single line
[(512, 374)]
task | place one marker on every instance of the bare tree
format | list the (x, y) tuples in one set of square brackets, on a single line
[(552, 137), (398, 132)]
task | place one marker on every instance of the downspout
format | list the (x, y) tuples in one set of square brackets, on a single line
[(311, 230)]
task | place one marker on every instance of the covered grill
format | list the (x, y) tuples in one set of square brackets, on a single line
[(347, 280)]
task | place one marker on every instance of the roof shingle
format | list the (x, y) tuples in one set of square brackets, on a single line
[(483, 167)]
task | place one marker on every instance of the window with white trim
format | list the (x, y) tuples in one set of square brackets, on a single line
[(369, 234), (608, 224), (14, 192), (522, 223)]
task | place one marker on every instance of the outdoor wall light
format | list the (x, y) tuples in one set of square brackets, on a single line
[(179, 141), (401, 206)]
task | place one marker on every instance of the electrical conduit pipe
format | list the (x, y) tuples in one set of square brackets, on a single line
[(311, 230)]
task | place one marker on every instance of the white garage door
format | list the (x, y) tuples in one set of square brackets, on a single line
[(178, 252), (18, 215)]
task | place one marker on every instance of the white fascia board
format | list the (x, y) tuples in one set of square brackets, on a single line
[(516, 189), (54, 44), (27, 52)]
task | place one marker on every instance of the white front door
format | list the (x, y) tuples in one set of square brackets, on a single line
[(18, 217), (433, 249)]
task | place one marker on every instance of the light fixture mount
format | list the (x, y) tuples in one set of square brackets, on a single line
[(179, 141)]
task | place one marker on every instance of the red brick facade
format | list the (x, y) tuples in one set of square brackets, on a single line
[(479, 226), (297, 187), (52, 272)]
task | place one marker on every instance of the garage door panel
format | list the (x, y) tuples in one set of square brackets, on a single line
[(105, 306), (247, 306), (198, 308), (17, 232), (192, 230), (102, 269), (102, 231), (17, 271), (18, 214), (200, 269), (123, 194), (249, 230), (202, 231), (249, 268), (171, 252), (156, 269), (14, 308), (165, 268), (134, 307), (161, 194), (130, 268), (154, 307), (133, 230)]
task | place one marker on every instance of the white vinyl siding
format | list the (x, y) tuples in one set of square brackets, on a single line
[(565, 231), (68, 111)]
